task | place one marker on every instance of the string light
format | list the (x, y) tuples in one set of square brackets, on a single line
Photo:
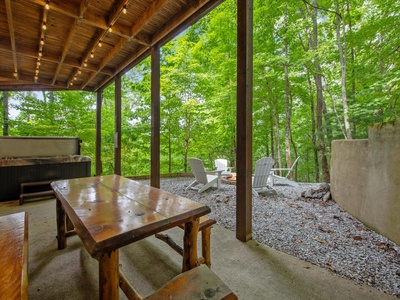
[(85, 64), (91, 55), (124, 10), (79, 71), (47, 6), (40, 54), (109, 29), (100, 44), (44, 26), (41, 41), (15, 74)]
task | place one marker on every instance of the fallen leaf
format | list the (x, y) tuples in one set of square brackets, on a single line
[(329, 266), (357, 238), (322, 241), (327, 230)]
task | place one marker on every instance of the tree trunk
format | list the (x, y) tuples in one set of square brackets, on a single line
[(313, 41), (342, 55), (313, 130), (287, 101)]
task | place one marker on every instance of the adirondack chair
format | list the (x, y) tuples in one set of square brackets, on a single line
[(260, 177), (222, 164), (284, 180), (202, 176)]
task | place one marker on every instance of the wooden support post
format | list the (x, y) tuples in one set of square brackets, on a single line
[(99, 102), (155, 117), (244, 120), (117, 132)]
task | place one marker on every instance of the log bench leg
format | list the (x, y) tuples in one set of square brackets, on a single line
[(205, 226)]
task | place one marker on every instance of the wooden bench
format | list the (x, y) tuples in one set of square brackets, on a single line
[(205, 228), (43, 191), (197, 283), (14, 256)]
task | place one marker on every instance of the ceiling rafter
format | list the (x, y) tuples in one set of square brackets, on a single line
[(114, 15), (92, 20), (53, 58), (77, 44), (12, 37), (41, 42)]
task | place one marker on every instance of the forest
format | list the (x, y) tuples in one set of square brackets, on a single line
[(323, 70)]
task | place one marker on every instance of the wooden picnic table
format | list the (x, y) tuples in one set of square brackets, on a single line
[(109, 212)]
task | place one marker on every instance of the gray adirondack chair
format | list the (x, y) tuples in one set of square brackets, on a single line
[(222, 164), (260, 177), (206, 178)]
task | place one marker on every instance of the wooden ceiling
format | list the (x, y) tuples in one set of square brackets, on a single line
[(84, 44)]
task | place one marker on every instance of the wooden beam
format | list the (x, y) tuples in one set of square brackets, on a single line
[(12, 37), (147, 15), (99, 102), (89, 19), (51, 57), (66, 47), (106, 59), (244, 120), (117, 132), (155, 117)]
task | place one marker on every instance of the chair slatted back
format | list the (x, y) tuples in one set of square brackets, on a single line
[(262, 171), (198, 170), (221, 164)]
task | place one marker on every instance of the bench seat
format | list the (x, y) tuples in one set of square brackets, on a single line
[(14, 256)]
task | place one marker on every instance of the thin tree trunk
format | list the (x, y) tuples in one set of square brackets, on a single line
[(313, 129), (275, 125), (187, 140), (342, 55), (287, 101), (320, 97)]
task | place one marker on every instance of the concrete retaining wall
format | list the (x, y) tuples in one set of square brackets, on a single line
[(365, 179)]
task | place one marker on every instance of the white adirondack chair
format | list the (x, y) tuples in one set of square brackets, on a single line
[(202, 176), (221, 164), (284, 180), (260, 177)]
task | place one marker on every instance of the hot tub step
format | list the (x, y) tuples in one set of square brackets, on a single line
[(35, 189)]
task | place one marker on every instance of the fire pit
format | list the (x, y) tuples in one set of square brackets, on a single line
[(229, 179)]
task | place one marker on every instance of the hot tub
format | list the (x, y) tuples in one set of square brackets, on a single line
[(35, 159)]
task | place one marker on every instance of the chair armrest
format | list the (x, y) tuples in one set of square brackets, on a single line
[(215, 171)]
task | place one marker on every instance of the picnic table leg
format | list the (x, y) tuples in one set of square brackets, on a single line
[(190, 245), (109, 276), (61, 238)]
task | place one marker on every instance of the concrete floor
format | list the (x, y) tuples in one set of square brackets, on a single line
[(251, 270)]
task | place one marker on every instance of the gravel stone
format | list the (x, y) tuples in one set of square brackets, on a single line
[(314, 230)]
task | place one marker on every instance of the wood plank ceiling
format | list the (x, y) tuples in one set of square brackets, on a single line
[(83, 44)]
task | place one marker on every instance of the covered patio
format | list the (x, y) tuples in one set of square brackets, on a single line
[(252, 270), (86, 45)]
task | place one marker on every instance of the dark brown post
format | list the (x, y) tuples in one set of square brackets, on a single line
[(244, 119), (155, 117), (99, 102), (117, 133)]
